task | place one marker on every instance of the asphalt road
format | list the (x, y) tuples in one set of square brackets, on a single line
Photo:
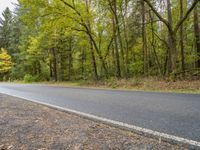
[(175, 114)]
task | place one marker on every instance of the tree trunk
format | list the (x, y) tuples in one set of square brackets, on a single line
[(50, 69), (173, 52), (144, 39), (70, 60), (113, 59), (171, 42), (82, 63), (55, 64), (197, 35), (118, 68), (125, 27), (181, 38), (118, 34), (95, 73)]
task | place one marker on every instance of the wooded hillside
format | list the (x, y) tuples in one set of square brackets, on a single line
[(65, 40)]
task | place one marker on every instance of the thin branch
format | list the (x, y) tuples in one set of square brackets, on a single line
[(186, 15), (161, 39), (158, 15)]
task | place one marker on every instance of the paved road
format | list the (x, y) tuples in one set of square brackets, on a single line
[(175, 114)]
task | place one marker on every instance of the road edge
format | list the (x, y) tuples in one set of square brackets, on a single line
[(136, 129), (111, 89)]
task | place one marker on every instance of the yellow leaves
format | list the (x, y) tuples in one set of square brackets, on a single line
[(5, 61)]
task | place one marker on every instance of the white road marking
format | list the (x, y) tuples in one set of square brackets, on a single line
[(148, 132)]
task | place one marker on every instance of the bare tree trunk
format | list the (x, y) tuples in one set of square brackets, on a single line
[(197, 35)]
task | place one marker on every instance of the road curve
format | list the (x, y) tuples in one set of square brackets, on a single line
[(175, 114)]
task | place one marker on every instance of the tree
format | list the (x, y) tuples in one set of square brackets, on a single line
[(5, 63), (64, 40), (181, 38), (172, 31), (6, 29), (144, 38)]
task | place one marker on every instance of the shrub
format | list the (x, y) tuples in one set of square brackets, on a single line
[(29, 78)]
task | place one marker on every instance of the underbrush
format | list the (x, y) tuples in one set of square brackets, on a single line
[(31, 79), (153, 84), (144, 84)]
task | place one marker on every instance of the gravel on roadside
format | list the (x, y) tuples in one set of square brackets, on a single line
[(29, 126)]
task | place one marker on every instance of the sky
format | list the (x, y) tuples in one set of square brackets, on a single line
[(6, 3)]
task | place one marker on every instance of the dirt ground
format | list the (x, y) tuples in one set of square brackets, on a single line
[(28, 126)]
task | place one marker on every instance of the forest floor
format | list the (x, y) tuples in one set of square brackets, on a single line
[(27, 125), (140, 84)]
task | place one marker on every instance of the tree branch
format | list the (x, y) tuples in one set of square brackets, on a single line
[(158, 15), (186, 16)]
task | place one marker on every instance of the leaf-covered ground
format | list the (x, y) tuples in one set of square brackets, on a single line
[(144, 84), (28, 126)]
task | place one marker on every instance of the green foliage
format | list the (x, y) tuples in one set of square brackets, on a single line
[(29, 78), (137, 68), (5, 29), (64, 40), (5, 62)]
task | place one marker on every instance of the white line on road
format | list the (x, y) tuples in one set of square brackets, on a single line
[(140, 130)]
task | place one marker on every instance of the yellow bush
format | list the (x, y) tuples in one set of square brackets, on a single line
[(5, 61)]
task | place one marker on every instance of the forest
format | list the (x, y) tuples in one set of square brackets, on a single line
[(65, 40)]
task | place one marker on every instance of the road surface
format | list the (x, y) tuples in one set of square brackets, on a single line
[(175, 114)]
